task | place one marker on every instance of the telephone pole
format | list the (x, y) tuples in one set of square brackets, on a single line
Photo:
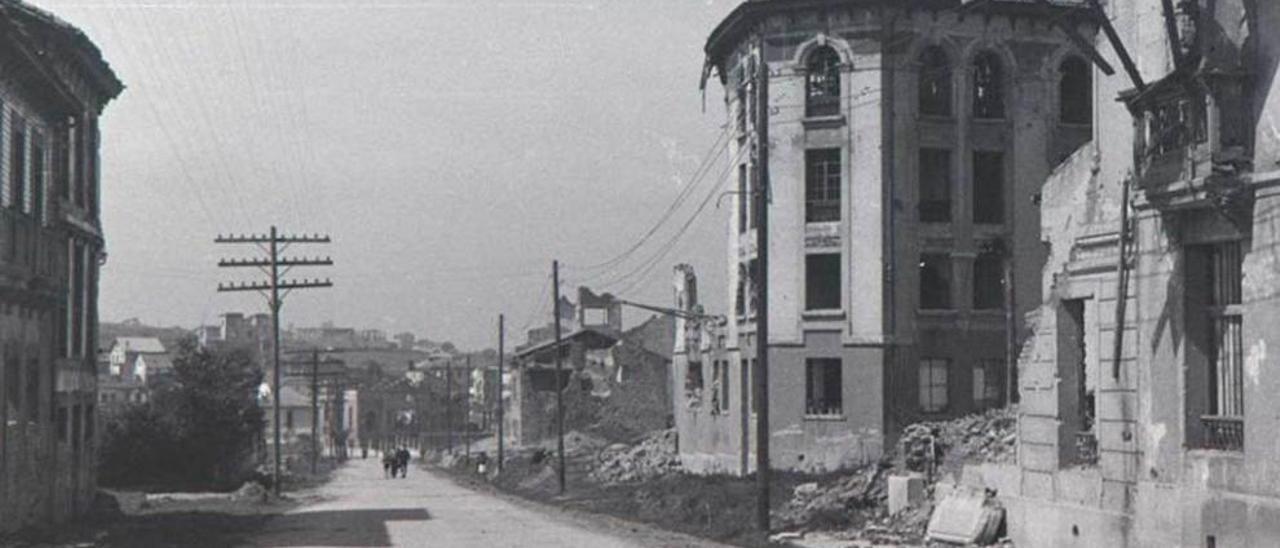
[(555, 294), (315, 410), (448, 403), (275, 244), (761, 199), (501, 339), (466, 414)]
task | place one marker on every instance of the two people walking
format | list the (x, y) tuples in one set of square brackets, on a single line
[(395, 461)]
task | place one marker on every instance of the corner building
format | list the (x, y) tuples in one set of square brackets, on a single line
[(907, 145), (54, 85)]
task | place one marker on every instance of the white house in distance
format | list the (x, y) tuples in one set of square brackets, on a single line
[(136, 356)]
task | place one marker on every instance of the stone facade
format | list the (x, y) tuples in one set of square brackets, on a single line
[(1172, 444), (51, 96), (907, 143)]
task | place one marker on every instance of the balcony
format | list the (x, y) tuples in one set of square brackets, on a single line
[(27, 250), (1222, 433)]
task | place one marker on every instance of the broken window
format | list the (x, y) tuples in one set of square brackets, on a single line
[(822, 83), (933, 384), (935, 185), (935, 281), (988, 282), (1075, 92), (693, 384), (720, 386), (986, 382), (824, 387), (18, 164), (988, 86), (822, 185), (822, 289), (988, 187), (1078, 411), (1214, 315), (935, 82)]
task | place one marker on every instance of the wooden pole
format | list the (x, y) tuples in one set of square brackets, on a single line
[(555, 277)]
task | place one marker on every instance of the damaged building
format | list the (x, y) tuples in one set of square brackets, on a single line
[(907, 145), (1147, 416), (613, 380), (53, 89)]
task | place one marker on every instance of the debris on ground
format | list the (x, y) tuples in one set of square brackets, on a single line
[(967, 516), (972, 439), (849, 499), (655, 455)]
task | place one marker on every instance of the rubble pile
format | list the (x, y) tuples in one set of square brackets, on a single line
[(977, 438), (652, 457), (846, 500)]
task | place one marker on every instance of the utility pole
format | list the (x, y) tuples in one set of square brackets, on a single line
[(501, 339), (466, 414), (448, 404), (315, 410), (761, 200), (271, 289), (555, 294)]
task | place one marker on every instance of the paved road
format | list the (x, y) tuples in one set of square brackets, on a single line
[(361, 508)]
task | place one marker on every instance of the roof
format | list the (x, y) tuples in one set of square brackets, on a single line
[(743, 19), (141, 345), (592, 338), (157, 362), (87, 55)]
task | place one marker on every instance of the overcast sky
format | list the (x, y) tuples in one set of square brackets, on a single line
[(451, 148)]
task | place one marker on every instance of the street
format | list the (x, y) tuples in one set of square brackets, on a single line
[(361, 508)]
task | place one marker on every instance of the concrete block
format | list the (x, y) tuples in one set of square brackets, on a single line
[(905, 491)]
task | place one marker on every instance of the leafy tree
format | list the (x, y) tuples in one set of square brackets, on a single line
[(203, 422)]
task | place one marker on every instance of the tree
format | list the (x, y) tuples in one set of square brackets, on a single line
[(203, 422)]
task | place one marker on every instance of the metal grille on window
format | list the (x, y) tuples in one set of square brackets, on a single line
[(933, 385), (1224, 427), (823, 387), (822, 83)]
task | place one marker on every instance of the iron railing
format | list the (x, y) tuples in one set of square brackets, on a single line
[(1223, 433), (1086, 448)]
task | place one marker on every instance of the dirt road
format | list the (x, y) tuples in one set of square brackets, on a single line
[(361, 508)]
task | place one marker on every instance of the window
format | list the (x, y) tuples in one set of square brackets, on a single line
[(756, 197), (988, 282), (18, 164), (1075, 92), (544, 380), (13, 390), (753, 297), (741, 114), (77, 428), (91, 177), (988, 86), (720, 386), (935, 82), (77, 300), (822, 185), (988, 187), (933, 384), (38, 162), (822, 83), (740, 300), (744, 201), (1214, 319), (33, 385), (90, 422), (751, 388), (935, 281), (822, 282), (288, 419), (986, 382), (693, 383), (823, 395), (61, 418), (935, 185)]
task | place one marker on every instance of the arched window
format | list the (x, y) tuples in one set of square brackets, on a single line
[(988, 86), (822, 83), (1075, 92), (935, 82)]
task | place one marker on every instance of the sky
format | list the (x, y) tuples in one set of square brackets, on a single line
[(452, 149)]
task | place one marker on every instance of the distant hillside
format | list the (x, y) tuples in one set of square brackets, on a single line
[(108, 331)]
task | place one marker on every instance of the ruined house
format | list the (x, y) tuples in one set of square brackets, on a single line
[(54, 87), (907, 145), (1148, 415)]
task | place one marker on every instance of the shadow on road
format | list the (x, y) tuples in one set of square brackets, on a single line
[(336, 527)]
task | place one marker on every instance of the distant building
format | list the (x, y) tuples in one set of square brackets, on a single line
[(125, 352), (405, 340), (54, 87)]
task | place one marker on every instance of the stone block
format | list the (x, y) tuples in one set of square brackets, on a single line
[(905, 491)]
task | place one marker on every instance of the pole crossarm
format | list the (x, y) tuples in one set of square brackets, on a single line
[(264, 286), (266, 239), (284, 261)]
